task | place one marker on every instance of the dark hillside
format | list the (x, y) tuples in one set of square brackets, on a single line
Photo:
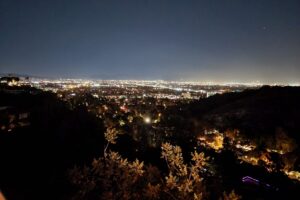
[(255, 112), (35, 157)]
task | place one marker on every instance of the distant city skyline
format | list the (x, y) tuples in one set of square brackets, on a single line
[(204, 41)]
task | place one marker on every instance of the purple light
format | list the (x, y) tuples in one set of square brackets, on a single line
[(250, 180)]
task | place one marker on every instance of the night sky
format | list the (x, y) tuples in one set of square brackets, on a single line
[(213, 40)]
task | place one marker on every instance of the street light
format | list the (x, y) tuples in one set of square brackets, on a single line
[(147, 120)]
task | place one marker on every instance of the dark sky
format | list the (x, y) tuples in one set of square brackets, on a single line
[(213, 40)]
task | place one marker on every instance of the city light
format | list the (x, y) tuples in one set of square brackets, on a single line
[(147, 120)]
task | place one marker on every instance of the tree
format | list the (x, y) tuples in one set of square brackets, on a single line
[(115, 177), (231, 196), (284, 143)]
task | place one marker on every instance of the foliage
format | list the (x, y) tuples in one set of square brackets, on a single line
[(183, 180), (231, 196), (111, 135), (115, 177), (284, 142)]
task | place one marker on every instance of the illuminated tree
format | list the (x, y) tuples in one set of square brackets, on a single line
[(231, 196), (184, 180), (232, 134), (109, 177), (115, 177), (289, 161), (284, 143)]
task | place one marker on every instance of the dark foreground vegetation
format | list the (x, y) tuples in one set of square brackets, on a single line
[(35, 158)]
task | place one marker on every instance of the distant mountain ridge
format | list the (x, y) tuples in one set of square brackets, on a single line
[(20, 75)]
